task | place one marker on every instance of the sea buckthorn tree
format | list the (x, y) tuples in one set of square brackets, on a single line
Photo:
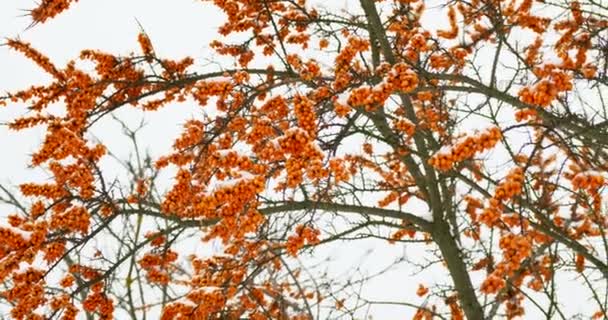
[(475, 129)]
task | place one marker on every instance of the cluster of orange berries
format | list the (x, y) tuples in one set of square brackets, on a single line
[(78, 175), (28, 122), (177, 310), (12, 240), (453, 32), (41, 60), (546, 91), (48, 9), (211, 301), (362, 97), (233, 227), (401, 78), (506, 190), (514, 307), (62, 301), (298, 142), (422, 290), (424, 314), (399, 234), (53, 251), (492, 284), (515, 248), (433, 119), (75, 219), (465, 149), (302, 39), (418, 42), (535, 23), (542, 94), (532, 51), (157, 265), (591, 182), (235, 198), (404, 126), (308, 71), (512, 185), (26, 295), (524, 114), (275, 108), (424, 96), (341, 109), (456, 312), (192, 135), (146, 46), (588, 180), (305, 114), (179, 197), (472, 205), (348, 53), (99, 303), (304, 235), (205, 89), (338, 170)]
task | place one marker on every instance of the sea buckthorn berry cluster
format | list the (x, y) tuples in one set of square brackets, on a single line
[(591, 182), (402, 78), (440, 61), (515, 248), (464, 149), (492, 284), (453, 32), (588, 180), (433, 119), (323, 43), (399, 234), (579, 262), (305, 113), (338, 170), (99, 303), (456, 312), (146, 46), (341, 109), (26, 297), (54, 251), (424, 96), (41, 60), (473, 204), (524, 114), (512, 185), (360, 97), (304, 235), (158, 265), (532, 51), (192, 135), (422, 290), (348, 53), (308, 71), (48, 9), (546, 91), (74, 219), (405, 126), (424, 314), (506, 190), (419, 42)]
